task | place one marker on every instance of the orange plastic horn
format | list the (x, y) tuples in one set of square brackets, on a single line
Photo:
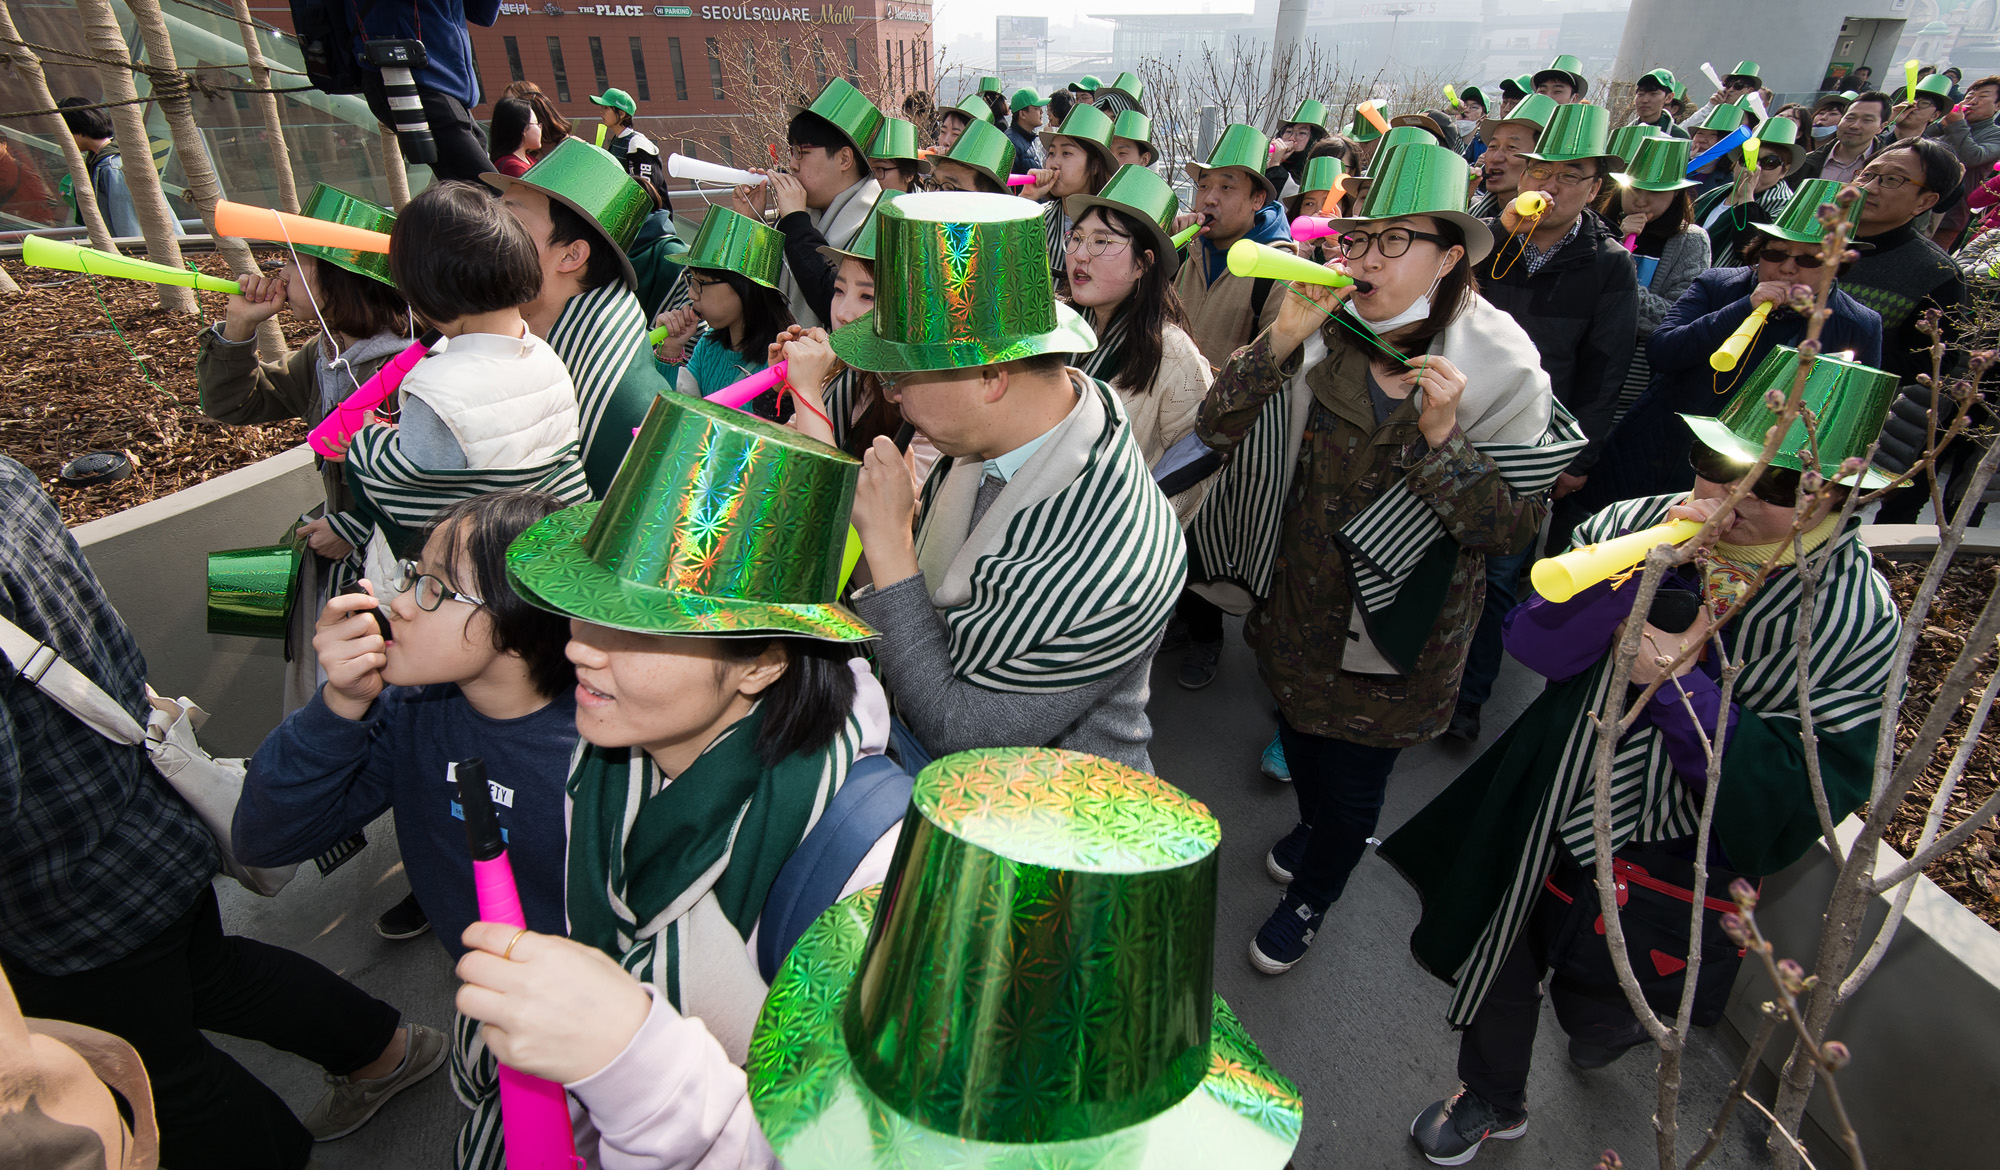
[(1372, 111), (262, 223)]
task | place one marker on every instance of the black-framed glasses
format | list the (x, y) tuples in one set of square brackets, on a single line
[(1543, 174), (1806, 262), (695, 284), (1778, 486), (1771, 162), (1885, 180), (1392, 242), (1096, 243), (431, 589)]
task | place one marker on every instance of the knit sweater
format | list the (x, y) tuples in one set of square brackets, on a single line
[(1902, 277)]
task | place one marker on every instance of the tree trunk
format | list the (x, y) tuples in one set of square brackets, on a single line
[(392, 165), (267, 104), (29, 67), (149, 201), (7, 286)]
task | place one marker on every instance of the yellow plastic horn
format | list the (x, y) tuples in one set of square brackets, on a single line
[(1737, 343), (1561, 578), (1530, 203), (66, 257), (1254, 261), (1750, 148)]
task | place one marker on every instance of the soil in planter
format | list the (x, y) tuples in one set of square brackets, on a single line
[(69, 385), (1970, 873)]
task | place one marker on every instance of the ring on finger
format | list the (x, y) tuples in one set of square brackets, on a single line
[(508, 954)]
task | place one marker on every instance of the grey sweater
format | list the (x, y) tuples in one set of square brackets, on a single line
[(1684, 258)]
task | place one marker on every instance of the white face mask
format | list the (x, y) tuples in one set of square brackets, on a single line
[(1824, 131), (1418, 310)]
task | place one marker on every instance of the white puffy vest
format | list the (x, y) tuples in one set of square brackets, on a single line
[(509, 402)]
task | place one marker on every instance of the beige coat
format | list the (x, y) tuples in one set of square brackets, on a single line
[(1165, 414)]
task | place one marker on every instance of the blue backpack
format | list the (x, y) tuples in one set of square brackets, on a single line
[(875, 796)]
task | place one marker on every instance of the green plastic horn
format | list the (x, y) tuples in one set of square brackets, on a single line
[(44, 253)]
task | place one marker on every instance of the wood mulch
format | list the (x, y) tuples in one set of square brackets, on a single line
[(70, 385)]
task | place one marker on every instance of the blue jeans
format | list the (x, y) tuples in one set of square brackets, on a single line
[(1340, 786), (1482, 664)]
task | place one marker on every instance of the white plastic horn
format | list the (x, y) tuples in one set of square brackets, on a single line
[(680, 166)]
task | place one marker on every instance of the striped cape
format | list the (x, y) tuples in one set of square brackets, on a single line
[(601, 338), (1055, 226), (400, 497)]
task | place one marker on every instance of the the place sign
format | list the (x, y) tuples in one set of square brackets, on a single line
[(611, 10)]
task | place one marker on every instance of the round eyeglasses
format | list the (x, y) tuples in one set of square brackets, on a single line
[(431, 589), (1389, 243), (1095, 244)]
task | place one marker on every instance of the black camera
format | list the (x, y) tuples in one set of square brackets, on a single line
[(406, 109)]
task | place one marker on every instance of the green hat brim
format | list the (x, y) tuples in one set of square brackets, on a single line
[(501, 183), (373, 265), (856, 344), (1712, 434), (1772, 229), (1606, 162), (820, 1114), (1624, 178), (860, 148), (1195, 171), (1478, 234), (549, 568), (1163, 244)]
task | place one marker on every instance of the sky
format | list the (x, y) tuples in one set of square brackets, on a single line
[(956, 19)]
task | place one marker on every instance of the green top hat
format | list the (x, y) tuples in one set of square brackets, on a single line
[(1849, 403), (588, 181), (1360, 129), (251, 591), (862, 246), (1568, 69), (1531, 114), (617, 99), (1323, 173), (973, 108), (1427, 179), (1782, 135), (1938, 86), (1143, 194), (1749, 69), (973, 288), (1128, 83), (989, 85), (1090, 128), (1659, 163), (1473, 93), (1799, 221), (897, 139), (1240, 146), (851, 113), (1626, 139), (1516, 87), (1136, 126), (1025, 99), (1031, 986), (730, 241), (1309, 113), (1397, 137), (1088, 83), (1724, 119), (336, 206), (1680, 91), (1576, 132), (719, 524), (1660, 79), (985, 149)]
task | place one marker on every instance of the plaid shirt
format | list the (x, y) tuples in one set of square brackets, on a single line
[(1536, 257), (97, 853)]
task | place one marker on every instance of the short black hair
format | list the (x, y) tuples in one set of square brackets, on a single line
[(1060, 104), (1943, 173), (567, 226), (809, 129), (475, 560), (456, 252), (1875, 95), (357, 306), (809, 703), (89, 123), (508, 126)]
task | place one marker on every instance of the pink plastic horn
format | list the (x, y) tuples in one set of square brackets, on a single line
[(1019, 180), (334, 432), (1312, 227), (737, 395)]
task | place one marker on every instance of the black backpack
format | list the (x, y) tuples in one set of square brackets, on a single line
[(326, 41)]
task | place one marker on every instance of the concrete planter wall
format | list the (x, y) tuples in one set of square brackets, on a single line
[(153, 562)]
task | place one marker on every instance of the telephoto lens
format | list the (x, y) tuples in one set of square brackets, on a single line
[(406, 110)]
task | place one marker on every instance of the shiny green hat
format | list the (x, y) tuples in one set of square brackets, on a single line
[(1725, 118), (1360, 129), (1660, 78), (989, 85), (973, 108), (1323, 173), (850, 112), (1240, 146), (973, 288), (1025, 99), (897, 139), (1398, 136), (1849, 402), (1128, 83), (1749, 69), (1782, 135), (1090, 128), (1425, 178), (986, 149), (1532, 114), (1626, 139), (1658, 164), (617, 99), (336, 206), (1577, 132), (1030, 988), (1937, 85), (1799, 221), (251, 591), (587, 180), (730, 241), (1141, 193), (718, 524), (1136, 126), (862, 246), (1564, 68), (1680, 91), (1309, 113), (1088, 83)]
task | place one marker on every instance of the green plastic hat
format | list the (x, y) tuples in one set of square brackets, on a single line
[(730, 241), (719, 524), (1025, 99), (1141, 193), (1680, 91), (1937, 85), (897, 139), (1564, 68), (1323, 173), (1128, 83), (1398, 136), (1309, 113), (985, 149), (973, 108), (1240, 146), (1088, 83), (851, 113), (1749, 69), (1849, 403), (1531, 114), (1662, 79), (1136, 126), (1782, 135), (1626, 139), (251, 591), (1577, 132), (1658, 164), (1724, 119), (973, 288), (1799, 221), (862, 246), (1516, 87), (989, 85), (1360, 129), (1427, 179), (1090, 128), (617, 99), (1031, 988), (588, 181), (336, 206)]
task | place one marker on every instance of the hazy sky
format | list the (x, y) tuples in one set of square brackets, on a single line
[(957, 18)]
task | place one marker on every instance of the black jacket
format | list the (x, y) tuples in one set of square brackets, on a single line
[(1581, 310), (1816, 162)]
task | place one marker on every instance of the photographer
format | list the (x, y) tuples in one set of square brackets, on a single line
[(446, 83)]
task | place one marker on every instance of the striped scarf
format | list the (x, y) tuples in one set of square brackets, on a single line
[(1107, 361), (400, 497), (600, 335), (1055, 226)]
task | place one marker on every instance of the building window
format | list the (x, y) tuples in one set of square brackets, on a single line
[(750, 64), (562, 74), (853, 60), (819, 62), (639, 71), (728, 151), (597, 64), (680, 74), (715, 68), (514, 60), (785, 59), (889, 62), (689, 147)]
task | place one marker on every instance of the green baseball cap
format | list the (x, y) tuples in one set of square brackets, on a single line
[(1659, 163), (1661, 79), (1309, 113), (1517, 87), (1240, 146), (1024, 99), (1142, 194), (986, 149), (336, 206), (897, 139), (1090, 128), (847, 110), (1849, 403), (1088, 83), (617, 99), (587, 180), (1425, 178), (1565, 68), (1473, 93), (1799, 221)]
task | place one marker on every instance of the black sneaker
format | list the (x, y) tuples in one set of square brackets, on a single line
[(1450, 1131), (1176, 637), (1587, 1055), (1285, 936), (404, 920), (1199, 663), (1464, 722), (1283, 859)]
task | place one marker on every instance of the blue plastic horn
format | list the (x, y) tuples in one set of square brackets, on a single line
[(1734, 139)]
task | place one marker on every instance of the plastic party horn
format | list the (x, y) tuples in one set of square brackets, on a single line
[(1530, 203), (1560, 578), (737, 395), (1735, 344), (601, 128), (1312, 227), (1715, 79), (334, 432), (1910, 68), (1451, 95), (1019, 180), (1631, 241), (680, 166), (1254, 261), (1371, 110), (67, 257), (1756, 101), (1187, 234), (1731, 141), (262, 223), (1750, 148), (534, 1114)]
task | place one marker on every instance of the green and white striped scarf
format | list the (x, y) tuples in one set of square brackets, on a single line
[(1107, 361), (399, 497), (1055, 227), (601, 338)]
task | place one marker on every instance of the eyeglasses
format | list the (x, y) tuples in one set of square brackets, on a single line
[(1885, 180), (1391, 243), (1097, 243), (1771, 162), (696, 284), (1778, 486), (1543, 174), (1807, 261), (431, 590)]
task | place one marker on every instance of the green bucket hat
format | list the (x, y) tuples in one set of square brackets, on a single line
[(1799, 221), (1626, 139), (1240, 146), (985, 149), (1141, 193), (1749, 69), (1088, 83), (1724, 119), (1782, 135), (1031, 987), (1136, 126), (989, 85), (1089, 127), (588, 181), (1849, 403), (862, 246), (617, 99), (336, 206), (973, 288), (851, 113), (730, 241), (1564, 68), (1531, 114), (719, 524), (1661, 78), (1658, 164), (1128, 83), (1360, 129), (897, 139), (1577, 132), (1309, 113), (1937, 85), (1323, 173), (251, 591), (1426, 179), (1025, 99)]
